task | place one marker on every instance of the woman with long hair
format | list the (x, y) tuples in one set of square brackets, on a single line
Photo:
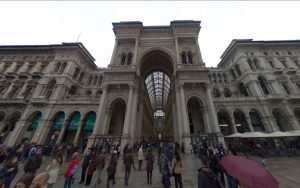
[(177, 168), (53, 169)]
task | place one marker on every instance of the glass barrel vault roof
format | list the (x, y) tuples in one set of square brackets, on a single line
[(158, 87)]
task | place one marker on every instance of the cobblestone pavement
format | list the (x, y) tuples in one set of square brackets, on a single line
[(285, 170)]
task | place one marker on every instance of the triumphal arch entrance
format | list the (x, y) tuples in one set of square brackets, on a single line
[(156, 86)]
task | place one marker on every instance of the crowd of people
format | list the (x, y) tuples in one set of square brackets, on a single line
[(97, 160)]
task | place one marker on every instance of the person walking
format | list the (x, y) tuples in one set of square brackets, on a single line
[(9, 171), (111, 169), (128, 161), (34, 162), (85, 165), (100, 164), (140, 157), (149, 165), (206, 177), (53, 169), (40, 180), (71, 169), (166, 174), (91, 168), (176, 169)]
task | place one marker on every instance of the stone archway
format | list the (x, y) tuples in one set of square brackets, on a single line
[(196, 116), (34, 121), (281, 120), (225, 122), (256, 120), (12, 119), (156, 82), (116, 124), (70, 132), (240, 121)]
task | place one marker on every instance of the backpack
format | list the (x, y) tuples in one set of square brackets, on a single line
[(75, 169)]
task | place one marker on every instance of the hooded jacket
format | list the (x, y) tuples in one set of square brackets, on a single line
[(72, 163)]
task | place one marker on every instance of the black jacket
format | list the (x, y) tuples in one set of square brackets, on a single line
[(207, 179)]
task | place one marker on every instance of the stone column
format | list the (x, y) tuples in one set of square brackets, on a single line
[(255, 89), (36, 67), (17, 132), (10, 87), (133, 115), (293, 121), (62, 132), (233, 128), (135, 51), (22, 90), (270, 123), (126, 135), (46, 129), (212, 111), (177, 50), (11, 68), (207, 121), (184, 112), (247, 117), (175, 121), (99, 116), (107, 120), (78, 132), (114, 52), (179, 112)]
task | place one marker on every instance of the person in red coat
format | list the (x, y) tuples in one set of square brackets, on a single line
[(71, 169)]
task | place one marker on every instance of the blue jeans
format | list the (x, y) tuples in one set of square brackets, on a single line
[(68, 182), (127, 173)]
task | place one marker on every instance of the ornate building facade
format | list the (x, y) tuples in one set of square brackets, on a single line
[(156, 86)]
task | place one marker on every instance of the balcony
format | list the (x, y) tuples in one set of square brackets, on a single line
[(293, 98), (278, 71), (291, 70), (275, 98), (13, 101)]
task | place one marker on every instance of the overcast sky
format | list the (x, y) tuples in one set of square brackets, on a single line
[(26, 23)]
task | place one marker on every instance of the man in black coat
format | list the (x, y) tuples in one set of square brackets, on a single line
[(34, 162), (206, 177), (85, 165)]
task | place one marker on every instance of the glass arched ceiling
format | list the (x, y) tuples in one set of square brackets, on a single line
[(158, 87)]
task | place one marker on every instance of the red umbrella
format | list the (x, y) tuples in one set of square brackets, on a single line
[(248, 172)]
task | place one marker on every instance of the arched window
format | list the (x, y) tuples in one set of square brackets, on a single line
[(233, 74), (129, 58), (216, 92), (50, 89), (190, 58), (81, 76), (227, 92), (183, 58), (76, 73), (62, 68), (90, 80), (56, 67), (123, 58), (256, 64), (263, 85), (238, 70), (243, 90), (225, 77), (249, 61), (72, 90)]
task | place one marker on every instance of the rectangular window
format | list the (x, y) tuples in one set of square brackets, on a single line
[(297, 63), (298, 85), (286, 88), (271, 64), (284, 64)]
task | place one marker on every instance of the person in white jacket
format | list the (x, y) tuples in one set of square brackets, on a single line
[(53, 169), (140, 157)]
